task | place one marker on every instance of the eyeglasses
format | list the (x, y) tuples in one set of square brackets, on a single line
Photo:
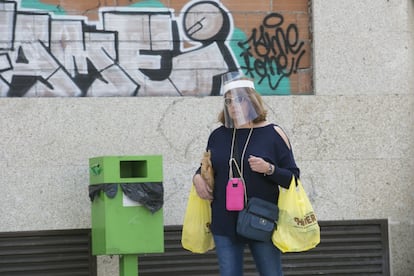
[(229, 101)]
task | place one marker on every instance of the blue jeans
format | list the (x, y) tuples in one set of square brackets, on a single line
[(230, 257)]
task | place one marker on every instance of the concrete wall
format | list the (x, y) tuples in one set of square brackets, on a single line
[(353, 139)]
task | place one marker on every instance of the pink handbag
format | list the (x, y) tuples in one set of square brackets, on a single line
[(236, 190), (235, 194)]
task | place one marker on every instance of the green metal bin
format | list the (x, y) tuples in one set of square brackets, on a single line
[(119, 225)]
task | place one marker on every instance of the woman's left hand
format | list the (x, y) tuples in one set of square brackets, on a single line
[(258, 164)]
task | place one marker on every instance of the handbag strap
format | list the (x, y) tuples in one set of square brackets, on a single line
[(233, 160)]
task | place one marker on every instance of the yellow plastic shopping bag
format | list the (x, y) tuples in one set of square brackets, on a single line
[(297, 227), (196, 236)]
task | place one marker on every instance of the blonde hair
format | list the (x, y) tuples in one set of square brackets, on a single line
[(257, 103)]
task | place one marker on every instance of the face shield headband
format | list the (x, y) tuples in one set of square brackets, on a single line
[(237, 84)]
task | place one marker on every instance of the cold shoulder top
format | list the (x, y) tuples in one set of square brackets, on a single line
[(265, 142)]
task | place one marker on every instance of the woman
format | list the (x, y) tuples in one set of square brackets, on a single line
[(264, 160)]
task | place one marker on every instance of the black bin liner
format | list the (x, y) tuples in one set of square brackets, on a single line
[(148, 194)]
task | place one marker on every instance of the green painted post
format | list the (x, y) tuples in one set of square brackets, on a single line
[(128, 265)]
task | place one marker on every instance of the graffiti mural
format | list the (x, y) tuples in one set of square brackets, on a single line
[(139, 50), (272, 46)]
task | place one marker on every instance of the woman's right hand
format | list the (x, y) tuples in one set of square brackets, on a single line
[(202, 188)]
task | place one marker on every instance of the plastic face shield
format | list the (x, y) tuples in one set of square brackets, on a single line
[(238, 107)]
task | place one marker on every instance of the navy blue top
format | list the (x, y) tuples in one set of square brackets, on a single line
[(266, 143)]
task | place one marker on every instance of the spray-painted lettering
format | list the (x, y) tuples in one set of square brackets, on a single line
[(272, 52)]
